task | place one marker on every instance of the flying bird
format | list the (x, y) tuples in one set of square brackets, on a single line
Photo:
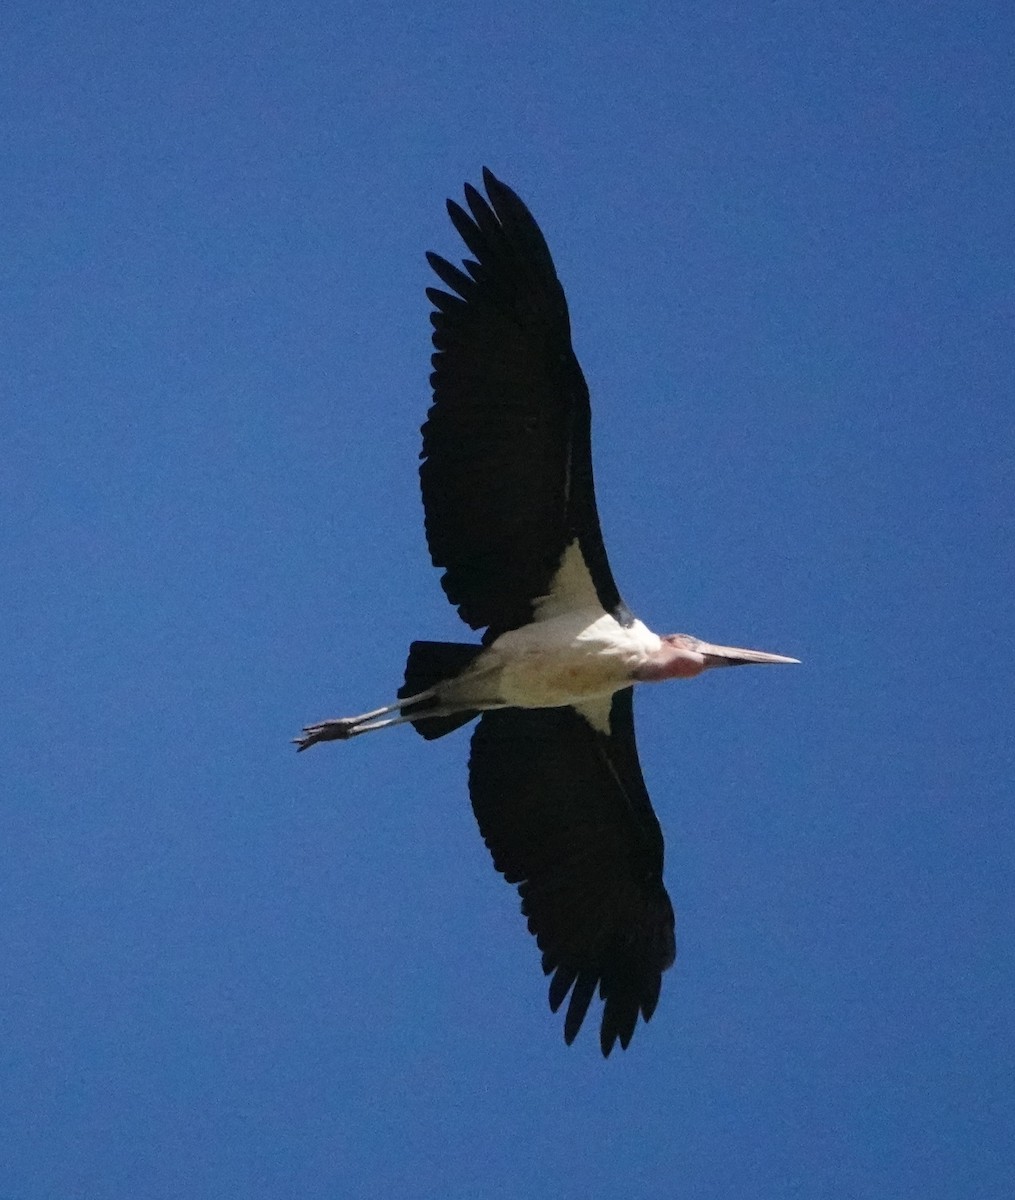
[(510, 514)]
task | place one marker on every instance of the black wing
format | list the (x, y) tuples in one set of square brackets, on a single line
[(507, 460), (564, 811)]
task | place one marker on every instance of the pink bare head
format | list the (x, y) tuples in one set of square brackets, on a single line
[(682, 656)]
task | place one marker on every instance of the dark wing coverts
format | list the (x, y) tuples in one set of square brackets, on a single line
[(507, 466), (567, 818)]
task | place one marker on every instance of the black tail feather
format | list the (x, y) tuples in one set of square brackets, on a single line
[(431, 663)]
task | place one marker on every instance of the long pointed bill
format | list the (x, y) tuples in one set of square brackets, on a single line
[(734, 656)]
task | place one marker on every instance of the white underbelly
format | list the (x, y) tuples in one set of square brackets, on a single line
[(567, 659), (536, 682)]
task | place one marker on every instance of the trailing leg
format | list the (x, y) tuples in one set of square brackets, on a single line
[(425, 699), (342, 728)]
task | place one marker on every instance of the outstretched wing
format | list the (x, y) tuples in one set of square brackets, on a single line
[(562, 805), (507, 464)]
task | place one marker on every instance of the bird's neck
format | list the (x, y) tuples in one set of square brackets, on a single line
[(669, 662)]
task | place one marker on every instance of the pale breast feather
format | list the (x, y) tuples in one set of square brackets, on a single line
[(569, 658)]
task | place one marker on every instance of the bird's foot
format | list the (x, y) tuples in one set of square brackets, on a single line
[(337, 729)]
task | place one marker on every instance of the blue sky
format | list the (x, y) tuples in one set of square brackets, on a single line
[(786, 235)]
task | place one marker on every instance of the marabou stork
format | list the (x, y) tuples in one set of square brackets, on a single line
[(554, 776)]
